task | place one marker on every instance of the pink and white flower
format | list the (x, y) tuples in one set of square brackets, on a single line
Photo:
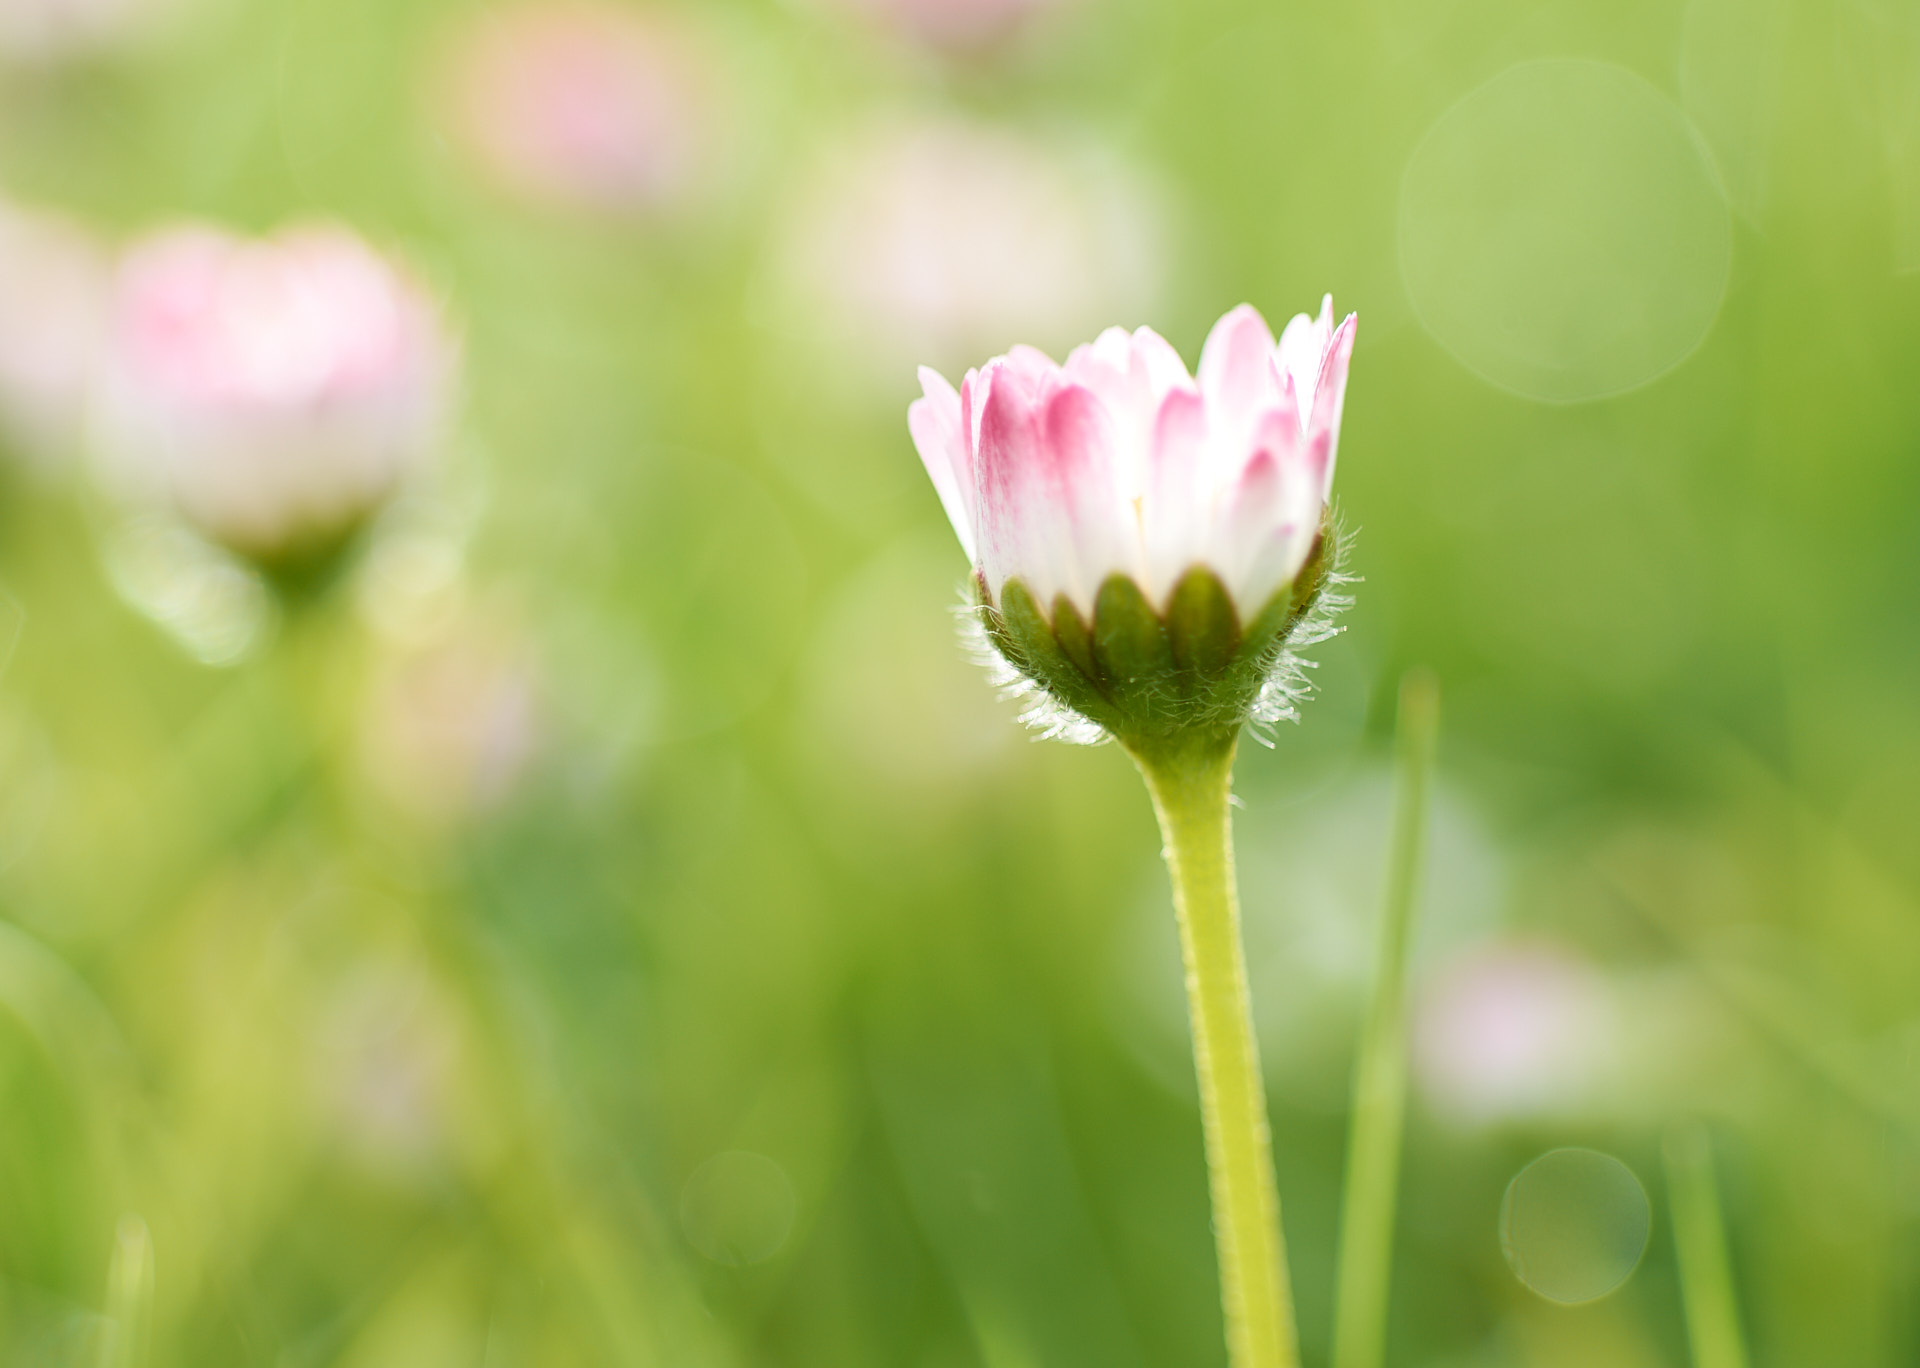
[(1514, 1030), (273, 391), (1121, 463), (584, 104)]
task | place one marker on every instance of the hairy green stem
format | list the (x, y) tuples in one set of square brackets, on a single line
[(1700, 1239), (1380, 1069), (1190, 781)]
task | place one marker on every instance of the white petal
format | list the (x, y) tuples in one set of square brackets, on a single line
[(1303, 346), (934, 420)]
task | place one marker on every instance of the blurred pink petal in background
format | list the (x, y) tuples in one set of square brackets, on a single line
[(1515, 1030), (450, 725), (274, 391), (936, 241), (584, 105), (54, 283), (385, 1067), (46, 31)]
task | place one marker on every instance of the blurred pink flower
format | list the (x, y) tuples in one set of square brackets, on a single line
[(275, 391), (54, 281), (583, 104), (1119, 462), (938, 240), (39, 31), (448, 727), (1514, 1030)]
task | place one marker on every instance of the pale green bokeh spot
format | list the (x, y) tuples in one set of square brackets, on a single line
[(1562, 234), (1574, 1224), (737, 1208)]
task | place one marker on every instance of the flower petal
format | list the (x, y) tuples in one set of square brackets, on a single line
[(1080, 446), (1105, 366), (1252, 552), (1173, 505), (1303, 346), (1157, 363), (1272, 513), (1019, 517), (1236, 374), (1330, 395), (936, 423)]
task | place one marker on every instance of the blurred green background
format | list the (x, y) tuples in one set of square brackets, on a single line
[(619, 927)]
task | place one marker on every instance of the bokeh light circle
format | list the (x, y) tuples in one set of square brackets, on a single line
[(1562, 233), (1574, 1224), (738, 1208)]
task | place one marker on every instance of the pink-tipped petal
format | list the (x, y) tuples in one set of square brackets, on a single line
[(1079, 468), (1131, 373), (1303, 346), (972, 401), (1330, 394), (1234, 371), (1108, 352), (1266, 512), (1157, 364), (1171, 512), (1105, 366), (1252, 505), (937, 424), (1019, 518)]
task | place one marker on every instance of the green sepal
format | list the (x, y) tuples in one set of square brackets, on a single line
[(1075, 637), (1202, 626), (1154, 679), (1046, 663), (1129, 640)]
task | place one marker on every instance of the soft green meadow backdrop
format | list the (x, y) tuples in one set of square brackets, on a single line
[(781, 1003)]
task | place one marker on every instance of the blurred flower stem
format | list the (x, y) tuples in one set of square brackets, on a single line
[(1190, 777), (129, 1297), (1380, 1071), (1700, 1239)]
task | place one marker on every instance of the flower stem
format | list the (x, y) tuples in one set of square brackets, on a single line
[(1190, 781), (1699, 1236), (129, 1297), (1380, 1071)]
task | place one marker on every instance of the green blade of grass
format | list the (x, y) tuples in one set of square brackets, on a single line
[(129, 1296), (1380, 1072), (1700, 1239)]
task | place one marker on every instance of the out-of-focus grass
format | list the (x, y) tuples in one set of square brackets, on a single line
[(391, 1085)]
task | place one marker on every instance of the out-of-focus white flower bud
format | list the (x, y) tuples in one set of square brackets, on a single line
[(584, 105), (46, 31), (273, 392), (450, 725), (939, 241), (1516, 1031), (54, 280)]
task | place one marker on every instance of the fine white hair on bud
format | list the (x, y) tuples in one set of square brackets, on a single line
[(272, 392), (1151, 549)]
